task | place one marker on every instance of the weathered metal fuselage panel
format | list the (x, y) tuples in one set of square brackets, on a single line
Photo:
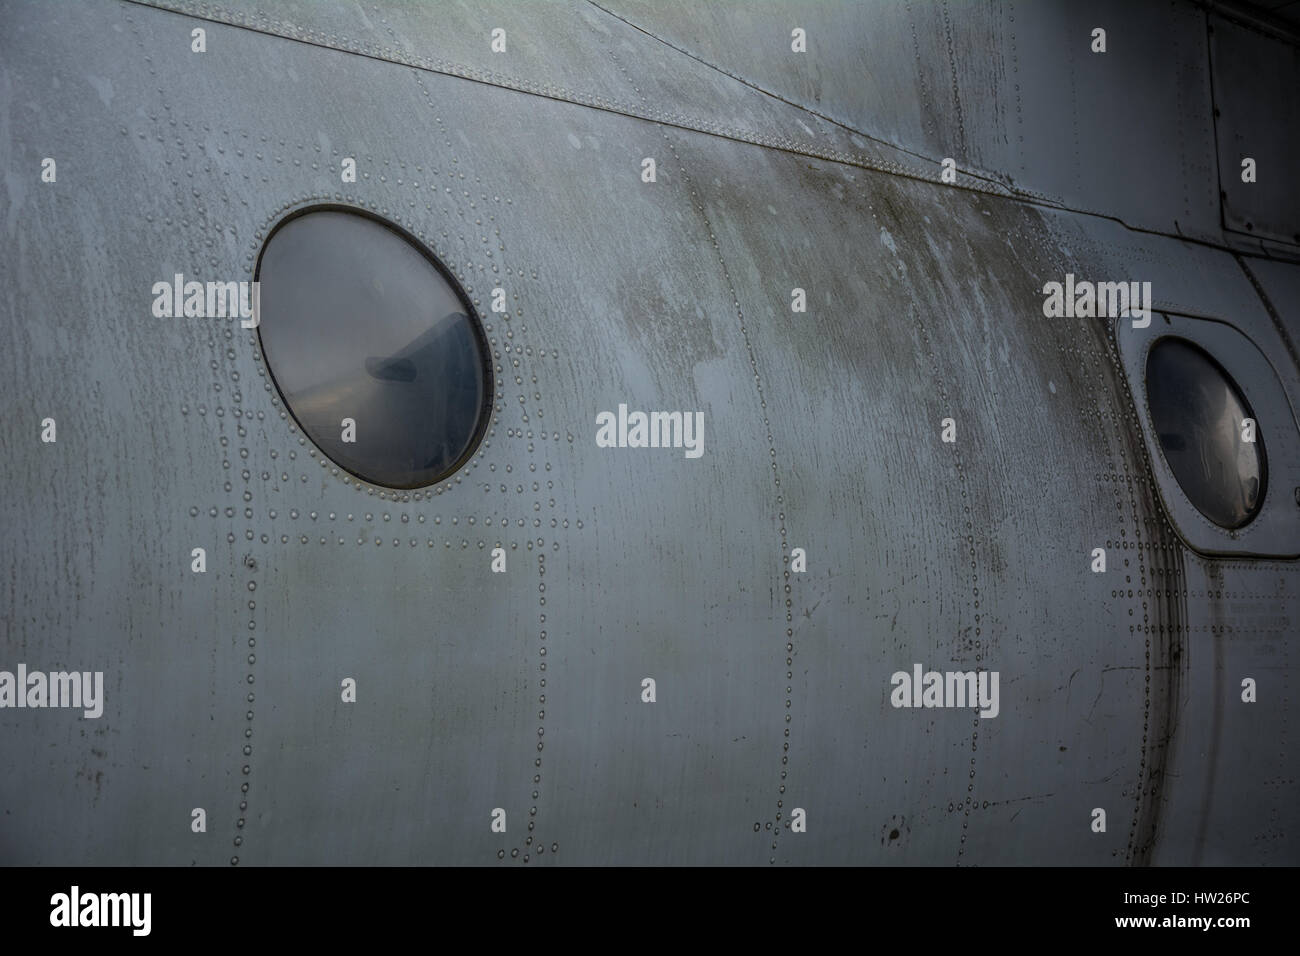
[(524, 691)]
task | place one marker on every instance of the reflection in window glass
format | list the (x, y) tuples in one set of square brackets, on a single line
[(1198, 414), (356, 322)]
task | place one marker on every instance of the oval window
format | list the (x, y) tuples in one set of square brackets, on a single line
[(373, 346), (1200, 418)]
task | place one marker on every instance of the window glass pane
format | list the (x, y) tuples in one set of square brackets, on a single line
[(1198, 413), (357, 322)]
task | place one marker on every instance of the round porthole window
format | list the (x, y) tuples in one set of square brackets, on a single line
[(373, 346), (1207, 432)]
